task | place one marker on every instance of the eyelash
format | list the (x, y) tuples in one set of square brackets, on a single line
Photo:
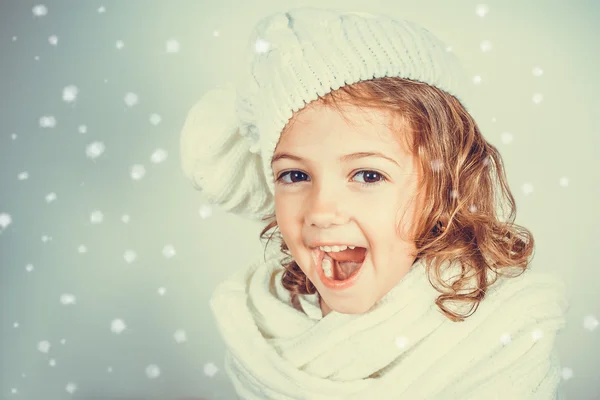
[(367, 184)]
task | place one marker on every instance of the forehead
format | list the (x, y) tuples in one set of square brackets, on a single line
[(322, 123)]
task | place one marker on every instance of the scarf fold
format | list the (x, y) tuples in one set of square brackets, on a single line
[(403, 347)]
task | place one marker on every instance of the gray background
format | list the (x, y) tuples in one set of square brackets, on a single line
[(65, 277)]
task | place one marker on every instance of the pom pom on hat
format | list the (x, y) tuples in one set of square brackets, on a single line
[(220, 155)]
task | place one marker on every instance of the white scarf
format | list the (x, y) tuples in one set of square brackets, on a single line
[(403, 348)]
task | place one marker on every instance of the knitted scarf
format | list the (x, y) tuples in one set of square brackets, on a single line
[(402, 348)]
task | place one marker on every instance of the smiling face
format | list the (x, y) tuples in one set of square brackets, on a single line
[(322, 194)]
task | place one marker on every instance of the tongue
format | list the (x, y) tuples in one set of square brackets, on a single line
[(347, 261), (356, 255)]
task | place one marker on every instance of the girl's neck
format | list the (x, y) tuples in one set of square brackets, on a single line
[(324, 307)]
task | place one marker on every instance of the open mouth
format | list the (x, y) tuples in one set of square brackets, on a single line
[(336, 268)]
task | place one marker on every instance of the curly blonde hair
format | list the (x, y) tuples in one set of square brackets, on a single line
[(463, 184)]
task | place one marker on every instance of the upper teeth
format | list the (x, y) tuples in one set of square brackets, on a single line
[(329, 249)]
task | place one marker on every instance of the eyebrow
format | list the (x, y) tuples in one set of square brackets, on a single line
[(346, 158)]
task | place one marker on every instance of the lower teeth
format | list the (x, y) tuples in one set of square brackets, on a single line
[(328, 270)]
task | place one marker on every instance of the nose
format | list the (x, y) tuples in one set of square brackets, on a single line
[(323, 209)]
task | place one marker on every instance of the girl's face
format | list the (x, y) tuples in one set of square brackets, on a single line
[(324, 194)]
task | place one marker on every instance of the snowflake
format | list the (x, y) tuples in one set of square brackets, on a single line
[(39, 10), (158, 156), (44, 346), (486, 46), (131, 99), (94, 149), (168, 251), (137, 172), (482, 10), (152, 371), (117, 326)]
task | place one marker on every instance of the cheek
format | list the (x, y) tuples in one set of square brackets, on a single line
[(287, 224)]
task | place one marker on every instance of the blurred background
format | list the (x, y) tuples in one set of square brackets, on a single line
[(108, 256)]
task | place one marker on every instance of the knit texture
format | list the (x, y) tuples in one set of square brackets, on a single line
[(294, 58), (404, 347)]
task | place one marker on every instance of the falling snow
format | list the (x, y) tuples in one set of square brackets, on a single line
[(566, 373), (5, 220), (117, 326), (486, 46), (155, 119), (537, 98), (536, 335), (94, 150), (262, 46), (66, 299), (505, 338), (71, 388), (96, 217), (130, 256), (47, 121), (152, 371), (506, 137), (158, 156), (172, 46), (50, 197), (590, 323), (137, 172), (537, 71), (168, 251), (131, 99), (205, 211), (180, 336), (482, 10), (210, 369), (44, 346), (527, 188), (401, 342), (564, 181), (436, 165), (39, 10), (70, 93)]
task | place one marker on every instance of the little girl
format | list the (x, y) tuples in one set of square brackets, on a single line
[(350, 136)]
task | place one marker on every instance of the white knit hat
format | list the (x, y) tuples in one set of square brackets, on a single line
[(230, 135)]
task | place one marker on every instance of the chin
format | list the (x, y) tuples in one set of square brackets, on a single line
[(353, 309)]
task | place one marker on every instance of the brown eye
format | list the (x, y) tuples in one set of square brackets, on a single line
[(369, 176), (293, 175)]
